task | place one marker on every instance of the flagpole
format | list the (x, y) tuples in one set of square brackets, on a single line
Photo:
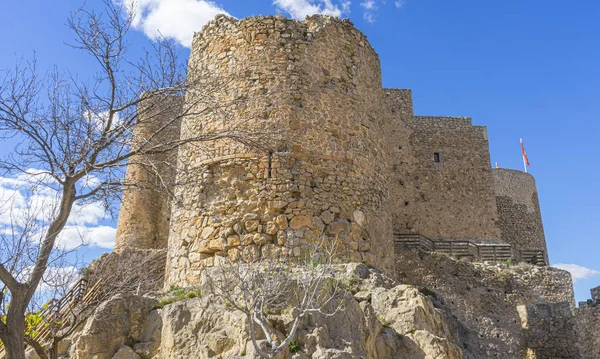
[(524, 162)]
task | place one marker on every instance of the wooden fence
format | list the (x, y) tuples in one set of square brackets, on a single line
[(476, 251)]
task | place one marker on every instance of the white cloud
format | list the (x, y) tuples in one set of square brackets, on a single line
[(300, 9), (369, 4), (99, 236), (174, 19), (22, 201), (578, 272), (370, 10), (399, 3), (346, 6)]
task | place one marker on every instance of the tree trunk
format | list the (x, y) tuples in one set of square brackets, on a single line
[(54, 349), (14, 344), (14, 337)]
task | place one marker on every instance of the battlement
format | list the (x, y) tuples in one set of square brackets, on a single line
[(446, 122)]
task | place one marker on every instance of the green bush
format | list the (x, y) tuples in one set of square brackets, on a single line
[(177, 295), (294, 347)]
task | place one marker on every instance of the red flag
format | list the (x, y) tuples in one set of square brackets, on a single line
[(525, 159)]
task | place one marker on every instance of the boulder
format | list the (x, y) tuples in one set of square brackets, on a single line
[(126, 352), (114, 322)]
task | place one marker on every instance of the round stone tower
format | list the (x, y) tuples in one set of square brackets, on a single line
[(144, 217), (302, 111), (520, 216)]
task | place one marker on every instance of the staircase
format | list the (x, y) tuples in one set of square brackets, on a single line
[(56, 311)]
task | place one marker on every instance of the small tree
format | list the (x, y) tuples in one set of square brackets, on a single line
[(306, 285), (79, 136)]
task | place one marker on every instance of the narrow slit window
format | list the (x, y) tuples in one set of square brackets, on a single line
[(270, 166), (436, 157)]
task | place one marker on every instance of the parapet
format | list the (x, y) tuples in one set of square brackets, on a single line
[(520, 216)]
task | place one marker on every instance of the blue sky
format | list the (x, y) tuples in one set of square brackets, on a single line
[(525, 69)]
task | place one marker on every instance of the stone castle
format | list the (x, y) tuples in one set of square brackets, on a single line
[(350, 160), (345, 159)]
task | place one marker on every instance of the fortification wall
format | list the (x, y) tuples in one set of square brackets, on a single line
[(314, 89), (595, 293), (484, 297), (144, 217), (588, 330), (519, 211), (402, 160), (549, 330), (444, 187)]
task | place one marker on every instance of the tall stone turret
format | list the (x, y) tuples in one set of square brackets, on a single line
[(520, 216), (144, 217), (314, 89)]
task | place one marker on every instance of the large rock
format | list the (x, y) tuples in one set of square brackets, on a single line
[(150, 338), (380, 319), (201, 328), (395, 321), (126, 352), (117, 321)]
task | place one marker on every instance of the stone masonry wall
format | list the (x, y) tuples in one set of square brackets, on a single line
[(144, 217), (484, 297), (452, 198), (596, 293), (549, 331), (519, 210), (588, 330), (402, 160), (313, 88)]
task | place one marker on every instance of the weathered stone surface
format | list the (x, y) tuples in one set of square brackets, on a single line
[(151, 335), (400, 323), (484, 297), (301, 221), (126, 352), (114, 322), (197, 328)]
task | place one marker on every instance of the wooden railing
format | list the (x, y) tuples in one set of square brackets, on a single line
[(56, 313), (533, 256), (468, 249)]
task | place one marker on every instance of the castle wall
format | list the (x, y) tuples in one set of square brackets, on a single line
[(443, 187), (144, 217), (484, 297), (519, 210), (596, 293), (313, 88), (550, 331), (588, 330)]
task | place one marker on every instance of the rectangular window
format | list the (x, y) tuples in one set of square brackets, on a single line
[(436, 157)]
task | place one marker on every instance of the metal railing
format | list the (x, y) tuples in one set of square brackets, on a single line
[(497, 252), (54, 312)]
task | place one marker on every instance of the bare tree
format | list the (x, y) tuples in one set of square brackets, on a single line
[(261, 288), (79, 136)]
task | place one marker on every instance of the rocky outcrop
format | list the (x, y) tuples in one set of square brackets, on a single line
[(115, 322), (380, 319)]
